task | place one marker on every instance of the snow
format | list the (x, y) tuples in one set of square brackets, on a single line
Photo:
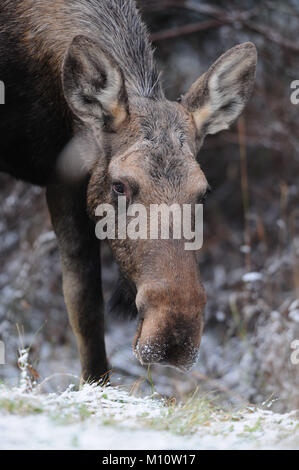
[(294, 311), (252, 277), (294, 315), (294, 305), (111, 418), (23, 365), (88, 436)]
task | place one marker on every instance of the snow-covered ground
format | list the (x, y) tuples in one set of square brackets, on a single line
[(111, 418)]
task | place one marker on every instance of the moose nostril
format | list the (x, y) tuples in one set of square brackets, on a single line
[(181, 355), (150, 352)]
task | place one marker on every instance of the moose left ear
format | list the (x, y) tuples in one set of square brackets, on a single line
[(218, 97), (94, 85)]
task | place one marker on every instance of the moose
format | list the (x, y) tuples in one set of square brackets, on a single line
[(85, 116)]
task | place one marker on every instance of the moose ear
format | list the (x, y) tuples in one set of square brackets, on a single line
[(94, 84), (218, 97)]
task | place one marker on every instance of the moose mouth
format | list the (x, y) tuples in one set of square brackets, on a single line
[(156, 351), (151, 352), (136, 341)]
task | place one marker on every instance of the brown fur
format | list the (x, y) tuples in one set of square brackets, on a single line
[(91, 83)]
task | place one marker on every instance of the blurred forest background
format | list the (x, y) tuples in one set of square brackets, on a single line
[(249, 261)]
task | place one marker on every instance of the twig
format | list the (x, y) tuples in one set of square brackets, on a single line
[(219, 13), (57, 374), (221, 17), (125, 372), (183, 30), (272, 35), (244, 187), (218, 386), (294, 221)]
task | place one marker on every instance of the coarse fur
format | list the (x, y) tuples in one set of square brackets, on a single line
[(85, 113)]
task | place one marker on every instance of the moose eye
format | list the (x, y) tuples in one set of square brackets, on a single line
[(119, 188), (203, 197)]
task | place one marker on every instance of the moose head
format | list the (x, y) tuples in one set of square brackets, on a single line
[(138, 145)]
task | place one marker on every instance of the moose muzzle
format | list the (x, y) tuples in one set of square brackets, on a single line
[(170, 326)]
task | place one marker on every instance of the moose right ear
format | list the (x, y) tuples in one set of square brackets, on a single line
[(217, 98), (94, 85)]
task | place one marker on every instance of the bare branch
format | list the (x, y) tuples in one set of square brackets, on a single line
[(221, 17), (186, 29), (269, 33)]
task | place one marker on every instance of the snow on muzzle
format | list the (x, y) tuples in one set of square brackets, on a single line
[(169, 335)]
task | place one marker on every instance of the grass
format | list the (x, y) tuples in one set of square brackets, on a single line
[(184, 418), (19, 406), (111, 406), (157, 413), (199, 420)]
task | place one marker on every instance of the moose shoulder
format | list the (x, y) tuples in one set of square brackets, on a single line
[(83, 97)]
